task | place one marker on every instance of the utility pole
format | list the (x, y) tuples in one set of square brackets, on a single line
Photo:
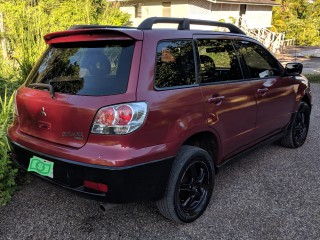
[(2, 38)]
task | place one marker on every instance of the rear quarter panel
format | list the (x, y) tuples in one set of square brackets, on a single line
[(175, 114)]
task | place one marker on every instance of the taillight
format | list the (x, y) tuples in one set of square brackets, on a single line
[(106, 116), (120, 119), (124, 114)]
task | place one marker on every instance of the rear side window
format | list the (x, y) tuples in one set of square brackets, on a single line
[(175, 64), (90, 68)]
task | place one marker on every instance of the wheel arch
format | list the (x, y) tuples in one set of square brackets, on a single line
[(206, 140), (307, 100)]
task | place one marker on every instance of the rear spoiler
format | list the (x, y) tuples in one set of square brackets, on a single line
[(93, 34)]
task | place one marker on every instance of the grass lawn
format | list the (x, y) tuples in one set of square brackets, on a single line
[(313, 78)]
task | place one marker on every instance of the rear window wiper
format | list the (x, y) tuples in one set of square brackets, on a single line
[(45, 86), (69, 85), (66, 79)]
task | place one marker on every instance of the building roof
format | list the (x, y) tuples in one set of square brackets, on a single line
[(248, 2)]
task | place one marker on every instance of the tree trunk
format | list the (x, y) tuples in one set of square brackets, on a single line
[(2, 39)]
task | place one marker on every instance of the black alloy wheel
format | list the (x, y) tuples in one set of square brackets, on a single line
[(193, 189), (299, 127), (189, 187)]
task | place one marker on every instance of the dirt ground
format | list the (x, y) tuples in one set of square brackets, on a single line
[(308, 56)]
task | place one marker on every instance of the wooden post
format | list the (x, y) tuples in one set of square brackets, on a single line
[(3, 40)]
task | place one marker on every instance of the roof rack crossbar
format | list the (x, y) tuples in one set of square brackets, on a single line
[(184, 23), (232, 28), (149, 22)]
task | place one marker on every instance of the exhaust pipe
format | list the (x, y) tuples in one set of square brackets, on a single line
[(107, 206)]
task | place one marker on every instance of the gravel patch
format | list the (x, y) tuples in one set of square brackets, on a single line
[(272, 193), (309, 53)]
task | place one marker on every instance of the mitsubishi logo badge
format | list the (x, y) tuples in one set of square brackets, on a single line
[(43, 113)]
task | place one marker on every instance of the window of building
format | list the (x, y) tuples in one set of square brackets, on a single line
[(166, 9), (138, 10), (175, 64)]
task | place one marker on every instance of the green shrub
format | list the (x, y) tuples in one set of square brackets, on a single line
[(26, 22), (7, 171), (10, 77), (298, 19), (314, 78)]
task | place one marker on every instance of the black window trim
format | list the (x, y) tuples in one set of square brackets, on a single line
[(36, 66), (225, 82), (196, 84), (220, 37), (245, 70)]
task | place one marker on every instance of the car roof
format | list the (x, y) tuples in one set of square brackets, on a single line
[(125, 33)]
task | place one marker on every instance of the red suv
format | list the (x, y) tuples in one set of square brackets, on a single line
[(129, 114)]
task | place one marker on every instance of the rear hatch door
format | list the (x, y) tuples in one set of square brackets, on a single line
[(76, 76)]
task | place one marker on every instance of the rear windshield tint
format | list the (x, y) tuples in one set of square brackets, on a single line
[(85, 68)]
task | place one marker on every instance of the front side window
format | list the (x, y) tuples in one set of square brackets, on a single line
[(218, 61), (260, 63), (175, 64), (90, 68)]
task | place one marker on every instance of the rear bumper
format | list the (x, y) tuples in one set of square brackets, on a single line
[(125, 184)]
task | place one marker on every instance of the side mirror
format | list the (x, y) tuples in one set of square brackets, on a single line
[(293, 69)]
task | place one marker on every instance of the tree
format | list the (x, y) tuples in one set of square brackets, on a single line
[(299, 19), (26, 22)]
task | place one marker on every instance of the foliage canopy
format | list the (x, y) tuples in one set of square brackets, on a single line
[(299, 19), (27, 21)]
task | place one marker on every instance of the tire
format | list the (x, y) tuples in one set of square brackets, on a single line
[(190, 186), (298, 130)]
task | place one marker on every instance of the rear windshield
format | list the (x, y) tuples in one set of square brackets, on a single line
[(94, 68)]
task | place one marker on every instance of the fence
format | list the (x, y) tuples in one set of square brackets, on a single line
[(273, 41)]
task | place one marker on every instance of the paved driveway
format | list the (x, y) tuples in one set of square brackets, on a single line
[(309, 56), (273, 193)]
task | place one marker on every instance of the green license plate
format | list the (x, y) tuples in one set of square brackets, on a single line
[(41, 166)]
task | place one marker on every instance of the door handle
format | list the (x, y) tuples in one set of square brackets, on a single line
[(216, 100), (262, 91)]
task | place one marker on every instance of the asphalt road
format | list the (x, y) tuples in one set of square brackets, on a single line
[(273, 193)]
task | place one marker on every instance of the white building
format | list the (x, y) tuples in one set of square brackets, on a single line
[(256, 13)]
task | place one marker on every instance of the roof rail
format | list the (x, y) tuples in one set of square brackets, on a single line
[(184, 23)]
